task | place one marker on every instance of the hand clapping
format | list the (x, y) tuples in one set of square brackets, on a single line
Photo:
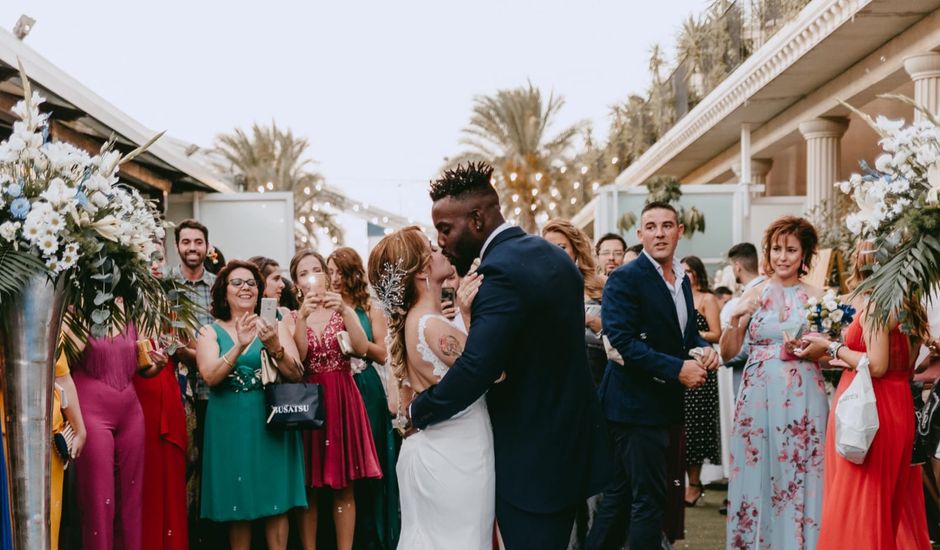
[(246, 328)]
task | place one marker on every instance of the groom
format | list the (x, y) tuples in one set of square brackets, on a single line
[(527, 320)]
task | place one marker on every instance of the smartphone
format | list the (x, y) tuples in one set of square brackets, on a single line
[(317, 282), (448, 294), (269, 310)]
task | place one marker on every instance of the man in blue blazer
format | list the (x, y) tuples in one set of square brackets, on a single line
[(649, 317), (527, 320)]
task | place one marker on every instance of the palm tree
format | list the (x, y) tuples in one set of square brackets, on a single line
[(510, 130), (271, 159)]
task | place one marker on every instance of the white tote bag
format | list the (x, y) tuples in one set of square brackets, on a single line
[(857, 416)]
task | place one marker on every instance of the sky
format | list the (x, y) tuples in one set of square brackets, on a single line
[(380, 89)]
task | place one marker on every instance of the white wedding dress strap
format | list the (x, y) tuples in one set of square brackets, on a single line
[(440, 368)]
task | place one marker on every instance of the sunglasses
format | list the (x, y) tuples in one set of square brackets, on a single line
[(237, 283)]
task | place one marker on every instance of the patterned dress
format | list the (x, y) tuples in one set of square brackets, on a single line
[(701, 416), (777, 445)]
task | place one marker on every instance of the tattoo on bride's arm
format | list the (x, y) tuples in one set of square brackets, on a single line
[(450, 347)]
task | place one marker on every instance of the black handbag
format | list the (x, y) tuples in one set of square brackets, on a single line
[(290, 406)]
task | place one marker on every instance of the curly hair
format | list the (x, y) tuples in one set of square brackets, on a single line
[(405, 252), (699, 275), (353, 275), (800, 228), (219, 307), (466, 179), (583, 258)]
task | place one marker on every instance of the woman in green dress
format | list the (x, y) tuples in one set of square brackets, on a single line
[(249, 472), (378, 521)]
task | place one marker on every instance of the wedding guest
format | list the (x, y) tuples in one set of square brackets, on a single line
[(192, 245), (65, 408), (274, 286), (110, 471), (878, 504), (289, 296), (775, 487), (702, 441), (632, 253), (249, 472), (610, 250), (724, 295), (577, 245), (377, 510), (744, 265), (164, 498), (343, 451), (649, 318)]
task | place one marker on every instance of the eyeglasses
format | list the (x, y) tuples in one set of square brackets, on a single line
[(611, 253), (238, 283)]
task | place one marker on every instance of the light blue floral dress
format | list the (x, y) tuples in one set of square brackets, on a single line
[(779, 435)]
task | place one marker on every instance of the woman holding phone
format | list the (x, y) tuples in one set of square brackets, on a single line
[(377, 512), (343, 451)]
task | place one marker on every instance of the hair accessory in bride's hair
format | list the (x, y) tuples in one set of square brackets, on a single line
[(390, 288)]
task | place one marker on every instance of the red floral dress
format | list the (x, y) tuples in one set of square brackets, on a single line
[(343, 450)]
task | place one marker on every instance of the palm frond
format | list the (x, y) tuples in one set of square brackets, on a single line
[(16, 267)]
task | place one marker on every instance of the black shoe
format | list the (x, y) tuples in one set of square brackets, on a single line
[(701, 493)]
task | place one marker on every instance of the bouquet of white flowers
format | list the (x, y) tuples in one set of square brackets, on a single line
[(899, 209), (828, 315), (63, 212)]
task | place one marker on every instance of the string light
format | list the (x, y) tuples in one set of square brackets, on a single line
[(584, 170), (576, 185), (595, 186), (513, 176), (538, 176), (303, 219), (355, 208), (316, 207), (335, 240), (554, 192), (563, 169), (552, 205), (270, 185), (614, 160), (306, 190), (535, 192), (319, 187), (384, 219), (533, 207), (517, 210), (574, 200), (261, 189), (515, 197)]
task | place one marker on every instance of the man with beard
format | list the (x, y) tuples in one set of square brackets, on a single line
[(527, 320), (192, 245)]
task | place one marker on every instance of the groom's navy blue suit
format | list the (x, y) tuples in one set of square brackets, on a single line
[(641, 398), (549, 433)]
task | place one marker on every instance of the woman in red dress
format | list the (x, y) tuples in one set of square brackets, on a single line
[(879, 504), (343, 451)]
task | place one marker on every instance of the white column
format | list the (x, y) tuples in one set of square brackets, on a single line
[(823, 136), (759, 169), (925, 72)]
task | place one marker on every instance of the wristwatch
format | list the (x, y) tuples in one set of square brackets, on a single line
[(834, 348)]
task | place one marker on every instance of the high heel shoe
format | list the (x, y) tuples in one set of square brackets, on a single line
[(701, 493)]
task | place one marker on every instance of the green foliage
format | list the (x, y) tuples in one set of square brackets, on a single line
[(16, 268), (511, 130), (269, 154), (667, 189)]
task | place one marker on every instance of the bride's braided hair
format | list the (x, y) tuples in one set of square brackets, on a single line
[(393, 264)]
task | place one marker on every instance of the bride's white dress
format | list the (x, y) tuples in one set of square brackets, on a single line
[(446, 476)]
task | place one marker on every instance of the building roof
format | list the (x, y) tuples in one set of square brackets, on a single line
[(826, 39), (92, 115)]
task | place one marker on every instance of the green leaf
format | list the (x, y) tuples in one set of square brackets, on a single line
[(16, 268)]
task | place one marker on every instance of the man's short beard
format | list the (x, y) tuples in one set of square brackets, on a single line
[(187, 261)]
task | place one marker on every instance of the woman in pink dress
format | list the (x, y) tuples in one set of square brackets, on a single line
[(343, 451)]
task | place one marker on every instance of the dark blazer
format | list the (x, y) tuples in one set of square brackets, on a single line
[(528, 321), (640, 320)]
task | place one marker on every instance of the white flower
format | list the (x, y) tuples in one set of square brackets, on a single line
[(826, 324), (16, 144), (883, 163), (54, 266), (8, 230), (933, 182), (845, 187), (99, 199), (57, 193), (836, 315), (48, 244), (812, 301), (888, 125)]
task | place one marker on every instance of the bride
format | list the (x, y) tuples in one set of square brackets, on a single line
[(445, 473)]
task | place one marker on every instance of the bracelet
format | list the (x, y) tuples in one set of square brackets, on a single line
[(227, 362), (277, 355), (834, 348)]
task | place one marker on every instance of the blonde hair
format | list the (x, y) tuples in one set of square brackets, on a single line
[(583, 254), (395, 260)]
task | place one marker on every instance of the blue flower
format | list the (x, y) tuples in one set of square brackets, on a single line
[(14, 190), (19, 208)]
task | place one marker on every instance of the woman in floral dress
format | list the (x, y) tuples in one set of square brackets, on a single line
[(777, 445)]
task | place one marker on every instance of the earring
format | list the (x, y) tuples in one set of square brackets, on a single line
[(427, 283)]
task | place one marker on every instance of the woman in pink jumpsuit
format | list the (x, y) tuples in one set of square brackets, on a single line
[(110, 504)]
